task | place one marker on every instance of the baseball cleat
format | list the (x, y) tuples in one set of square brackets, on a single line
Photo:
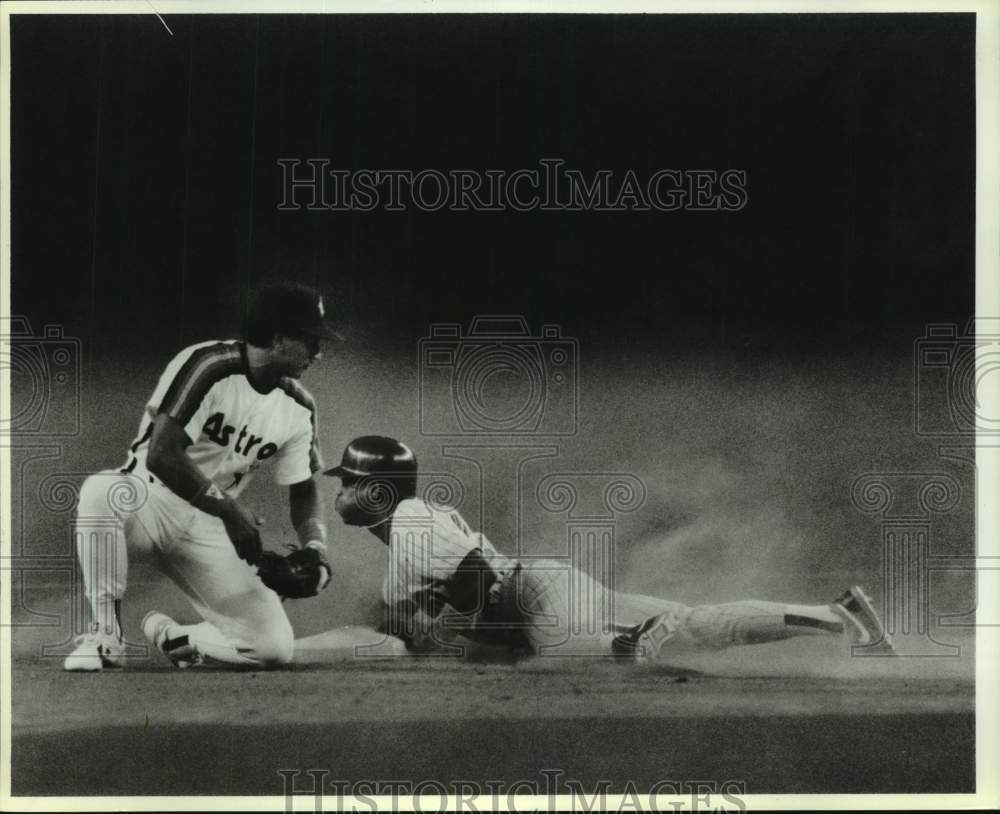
[(94, 652), (861, 618), (644, 641), (156, 627)]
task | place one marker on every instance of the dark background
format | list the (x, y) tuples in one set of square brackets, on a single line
[(145, 181)]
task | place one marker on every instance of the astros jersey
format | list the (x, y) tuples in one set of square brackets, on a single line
[(234, 428), (426, 546)]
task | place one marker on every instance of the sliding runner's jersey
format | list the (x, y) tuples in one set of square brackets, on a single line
[(234, 428), (427, 544)]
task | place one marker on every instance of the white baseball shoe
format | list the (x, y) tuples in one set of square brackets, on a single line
[(94, 652), (156, 627), (861, 619)]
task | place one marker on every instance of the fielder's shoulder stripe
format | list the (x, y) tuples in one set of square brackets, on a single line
[(303, 398), (298, 393), (191, 384)]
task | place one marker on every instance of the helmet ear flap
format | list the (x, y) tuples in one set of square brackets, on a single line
[(382, 491), (376, 495), (407, 485)]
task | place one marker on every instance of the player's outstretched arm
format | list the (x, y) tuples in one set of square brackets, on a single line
[(305, 571), (306, 510), (169, 461)]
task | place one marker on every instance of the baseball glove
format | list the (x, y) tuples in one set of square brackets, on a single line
[(302, 573)]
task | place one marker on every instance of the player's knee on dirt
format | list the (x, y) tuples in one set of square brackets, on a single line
[(536, 601), (95, 493), (274, 646)]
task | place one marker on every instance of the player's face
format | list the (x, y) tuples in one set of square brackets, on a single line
[(363, 501), (292, 355), (347, 506)]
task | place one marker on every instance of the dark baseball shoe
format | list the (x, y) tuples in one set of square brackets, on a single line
[(644, 641), (861, 620), (156, 627)]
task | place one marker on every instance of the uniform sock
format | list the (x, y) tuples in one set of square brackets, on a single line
[(107, 617), (104, 564), (738, 623), (815, 618)]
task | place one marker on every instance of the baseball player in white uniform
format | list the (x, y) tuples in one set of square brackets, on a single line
[(220, 412), (443, 579)]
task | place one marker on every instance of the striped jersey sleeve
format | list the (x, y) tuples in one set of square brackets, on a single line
[(190, 384), (300, 458)]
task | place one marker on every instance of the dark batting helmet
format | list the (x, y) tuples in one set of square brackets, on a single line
[(382, 458)]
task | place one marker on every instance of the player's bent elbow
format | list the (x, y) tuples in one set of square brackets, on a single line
[(156, 459), (168, 441)]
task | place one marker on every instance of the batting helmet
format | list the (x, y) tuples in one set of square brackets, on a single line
[(382, 457)]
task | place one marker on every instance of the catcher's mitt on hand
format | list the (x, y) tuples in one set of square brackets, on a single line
[(302, 573)]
